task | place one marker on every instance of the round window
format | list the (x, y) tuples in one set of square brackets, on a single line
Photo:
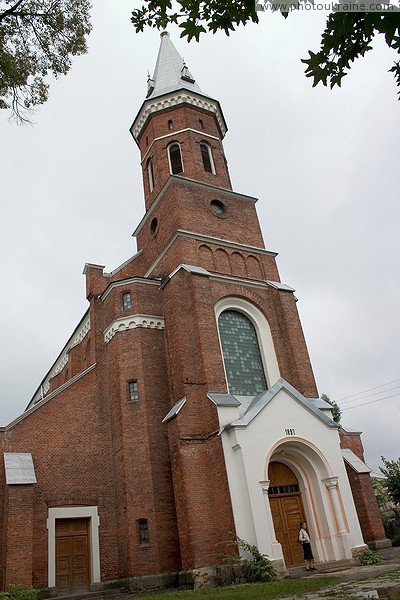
[(218, 208)]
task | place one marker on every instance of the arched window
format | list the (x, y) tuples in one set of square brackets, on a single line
[(242, 358), (150, 173), (175, 159), (206, 155)]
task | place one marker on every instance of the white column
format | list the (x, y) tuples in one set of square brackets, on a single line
[(332, 485), (275, 545)]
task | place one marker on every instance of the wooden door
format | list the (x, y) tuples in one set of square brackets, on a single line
[(287, 511), (287, 514), (72, 554)]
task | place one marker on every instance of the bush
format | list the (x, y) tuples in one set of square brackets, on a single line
[(17, 592), (258, 567), (369, 558)]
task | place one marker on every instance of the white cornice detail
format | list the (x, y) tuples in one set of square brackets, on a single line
[(133, 322), (63, 359), (174, 99), (81, 333)]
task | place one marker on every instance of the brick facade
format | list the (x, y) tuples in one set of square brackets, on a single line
[(94, 447)]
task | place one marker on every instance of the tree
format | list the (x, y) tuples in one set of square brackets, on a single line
[(391, 471), (347, 36), (37, 37), (336, 412)]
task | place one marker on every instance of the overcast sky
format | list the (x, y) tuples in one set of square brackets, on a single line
[(324, 165)]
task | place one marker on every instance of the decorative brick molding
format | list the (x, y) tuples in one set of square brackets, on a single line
[(132, 322), (171, 100)]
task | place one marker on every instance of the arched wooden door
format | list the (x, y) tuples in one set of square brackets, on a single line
[(287, 510)]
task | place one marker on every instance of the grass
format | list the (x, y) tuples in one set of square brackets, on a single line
[(253, 591)]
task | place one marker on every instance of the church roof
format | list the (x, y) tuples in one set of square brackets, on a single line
[(171, 72)]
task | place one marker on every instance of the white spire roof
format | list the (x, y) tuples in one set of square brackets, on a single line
[(170, 73)]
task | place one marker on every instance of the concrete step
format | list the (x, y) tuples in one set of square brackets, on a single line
[(326, 567)]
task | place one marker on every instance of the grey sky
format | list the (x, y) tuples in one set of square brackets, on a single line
[(324, 165)]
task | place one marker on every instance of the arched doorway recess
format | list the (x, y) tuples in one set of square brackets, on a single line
[(287, 510)]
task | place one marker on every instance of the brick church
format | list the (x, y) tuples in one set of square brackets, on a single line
[(183, 408)]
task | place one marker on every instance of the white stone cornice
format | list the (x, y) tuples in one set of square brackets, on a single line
[(174, 99), (133, 322), (76, 339), (81, 333)]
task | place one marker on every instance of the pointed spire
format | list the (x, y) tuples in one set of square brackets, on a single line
[(171, 72)]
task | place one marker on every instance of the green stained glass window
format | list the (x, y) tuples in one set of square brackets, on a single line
[(242, 358)]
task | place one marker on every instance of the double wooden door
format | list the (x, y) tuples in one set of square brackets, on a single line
[(287, 514), (72, 554), (287, 511)]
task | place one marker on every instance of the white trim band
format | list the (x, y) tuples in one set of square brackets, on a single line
[(133, 322)]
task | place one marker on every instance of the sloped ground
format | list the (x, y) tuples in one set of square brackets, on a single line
[(375, 581)]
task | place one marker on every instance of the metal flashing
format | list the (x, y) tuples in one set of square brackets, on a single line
[(223, 399), (174, 410), (354, 462), (19, 468)]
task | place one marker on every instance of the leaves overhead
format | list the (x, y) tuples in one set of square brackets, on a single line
[(347, 36), (37, 37), (195, 17)]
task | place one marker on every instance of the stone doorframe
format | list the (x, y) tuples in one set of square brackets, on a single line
[(74, 512)]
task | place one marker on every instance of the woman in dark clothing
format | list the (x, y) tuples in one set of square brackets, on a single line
[(304, 539)]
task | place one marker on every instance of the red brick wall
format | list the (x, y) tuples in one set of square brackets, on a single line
[(363, 493), (183, 117)]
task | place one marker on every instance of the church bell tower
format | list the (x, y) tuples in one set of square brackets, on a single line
[(222, 298)]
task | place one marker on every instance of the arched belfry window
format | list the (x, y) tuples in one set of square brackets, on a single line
[(241, 352), (206, 155), (150, 173), (175, 158)]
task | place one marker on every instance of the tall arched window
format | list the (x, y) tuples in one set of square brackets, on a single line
[(206, 155), (242, 358), (150, 173), (175, 159)]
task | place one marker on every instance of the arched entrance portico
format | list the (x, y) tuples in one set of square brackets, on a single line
[(297, 473)]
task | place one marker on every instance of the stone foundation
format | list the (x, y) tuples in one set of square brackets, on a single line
[(379, 544)]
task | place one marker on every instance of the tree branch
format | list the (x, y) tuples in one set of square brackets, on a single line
[(10, 11)]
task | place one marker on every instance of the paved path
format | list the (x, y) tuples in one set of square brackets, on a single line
[(375, 581)]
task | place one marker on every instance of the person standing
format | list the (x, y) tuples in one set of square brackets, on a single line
[(304, 539)]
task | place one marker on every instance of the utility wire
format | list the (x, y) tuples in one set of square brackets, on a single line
[(370, 390), (371, 402), (374, 394)]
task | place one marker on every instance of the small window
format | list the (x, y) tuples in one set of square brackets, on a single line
[(126, 301), (133, 391), (143, 530), (170, 124), (150, 173), (175, 159), (206, 155), (153, 226), (201, 123)]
